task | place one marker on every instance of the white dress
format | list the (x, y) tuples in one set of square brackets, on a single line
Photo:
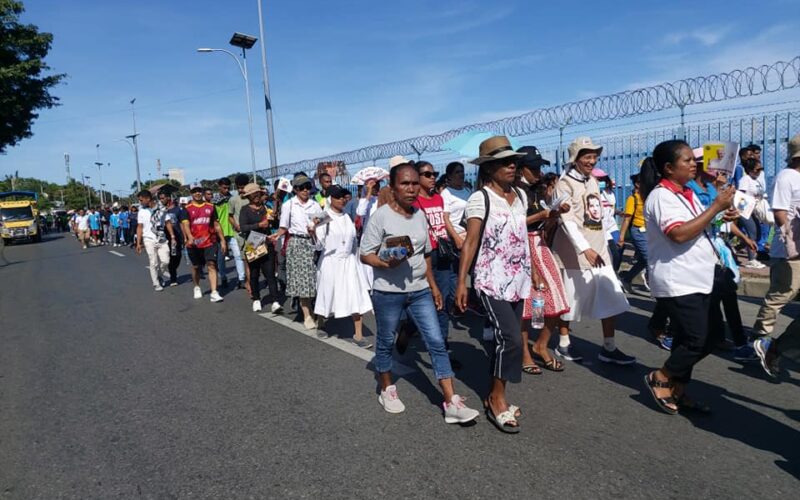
[(342, 287)]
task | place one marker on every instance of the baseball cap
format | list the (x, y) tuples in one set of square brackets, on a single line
[(532, 159), (337, 191)]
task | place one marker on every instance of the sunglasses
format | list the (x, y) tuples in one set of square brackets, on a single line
[(304, 187), (429, 174)]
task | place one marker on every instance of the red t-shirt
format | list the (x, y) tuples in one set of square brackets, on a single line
[(201, 223), (434, 211)]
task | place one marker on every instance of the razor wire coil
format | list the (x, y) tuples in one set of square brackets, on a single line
[(748, 82)]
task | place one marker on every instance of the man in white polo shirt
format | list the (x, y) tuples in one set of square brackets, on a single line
[(784, 273)]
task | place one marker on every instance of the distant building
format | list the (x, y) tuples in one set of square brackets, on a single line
[(177, 174)]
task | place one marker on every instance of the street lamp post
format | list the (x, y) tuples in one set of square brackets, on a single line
[(244, 42), (273, 160), (100, 172), (135, 145)]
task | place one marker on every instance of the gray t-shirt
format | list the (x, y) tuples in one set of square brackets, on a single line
[(409, 276)]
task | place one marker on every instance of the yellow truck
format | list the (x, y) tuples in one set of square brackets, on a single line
[(19, 216)]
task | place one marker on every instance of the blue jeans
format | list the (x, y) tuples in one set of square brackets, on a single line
[(233, 245), (640, 244), (445, 277), (419, 305), (750, 228)]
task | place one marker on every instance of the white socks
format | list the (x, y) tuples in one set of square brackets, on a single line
[(608, 344), (563, 341)]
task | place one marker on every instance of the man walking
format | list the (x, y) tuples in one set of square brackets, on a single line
[(81, 225), (175, 214), (151, 233), (222, 207), (235, 205), (784, 273), (201, 232)]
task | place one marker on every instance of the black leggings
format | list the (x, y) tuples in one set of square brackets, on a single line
[(266, 265)]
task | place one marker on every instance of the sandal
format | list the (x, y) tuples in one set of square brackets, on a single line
[(554, 365), (532, 369), (514, 409), (687, 404), (505, 421), (667, 405)]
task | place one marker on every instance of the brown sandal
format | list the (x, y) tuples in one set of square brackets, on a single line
[(532, 369)]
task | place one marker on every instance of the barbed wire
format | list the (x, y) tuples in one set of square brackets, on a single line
[(748, 82)]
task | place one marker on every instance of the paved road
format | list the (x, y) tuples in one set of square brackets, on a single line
[(109, 390)]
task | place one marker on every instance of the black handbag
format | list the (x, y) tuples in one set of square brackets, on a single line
[(446, 251)]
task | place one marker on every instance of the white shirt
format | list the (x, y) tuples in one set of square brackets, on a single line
[(754, 187), (455, 204), (83, 222), (676, 269), (144, 219), (296, 216), (786, 196), (366, 207)]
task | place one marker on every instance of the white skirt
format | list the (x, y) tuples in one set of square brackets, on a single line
[(596, 293), (342, 288)]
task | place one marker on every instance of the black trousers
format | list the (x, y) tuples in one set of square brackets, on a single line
[(729, 302), (172, 266), (691, 342), (505, 355), (658, 321), (266, 266)]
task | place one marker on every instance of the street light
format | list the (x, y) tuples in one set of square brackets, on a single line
[(135, 145), (244, 42), (100, 171), (273, 160)]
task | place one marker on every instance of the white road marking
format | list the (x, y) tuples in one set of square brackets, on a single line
[(343, 345), (116, 253)]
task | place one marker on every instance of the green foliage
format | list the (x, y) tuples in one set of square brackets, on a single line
[(24, 86)]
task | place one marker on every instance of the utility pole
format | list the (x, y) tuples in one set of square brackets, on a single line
[(66, 163), (273, 160)]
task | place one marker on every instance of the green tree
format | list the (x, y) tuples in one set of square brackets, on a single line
[(24, 86)]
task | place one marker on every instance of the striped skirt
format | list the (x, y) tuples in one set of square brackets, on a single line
[(555, 298)]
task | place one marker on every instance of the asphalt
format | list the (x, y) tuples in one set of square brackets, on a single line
[(111, 390)]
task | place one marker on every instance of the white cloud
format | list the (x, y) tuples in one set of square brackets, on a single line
[(708, 36)]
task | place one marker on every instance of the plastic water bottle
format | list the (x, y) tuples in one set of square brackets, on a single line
[(173, 248), (397, 253), (537, 314)]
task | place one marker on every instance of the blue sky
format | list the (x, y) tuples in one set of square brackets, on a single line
[(351, 73)]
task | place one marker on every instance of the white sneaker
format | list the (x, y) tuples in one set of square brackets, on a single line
[(456, 412), (256, 305), (754, 264), (276, 308), (198, 294), (158, 288), (215, 296), (389, 400)]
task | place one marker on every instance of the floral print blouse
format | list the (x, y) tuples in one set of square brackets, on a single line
[(503, 265)]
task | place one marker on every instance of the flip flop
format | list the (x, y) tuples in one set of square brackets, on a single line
[(503, 420), (514, 409), (553, 365)]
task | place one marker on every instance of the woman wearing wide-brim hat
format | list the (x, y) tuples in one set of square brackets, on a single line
[(497, 253), (254, 217), (580, 248)]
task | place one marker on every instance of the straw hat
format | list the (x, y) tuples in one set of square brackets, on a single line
[(251, 188), (495, 148)]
